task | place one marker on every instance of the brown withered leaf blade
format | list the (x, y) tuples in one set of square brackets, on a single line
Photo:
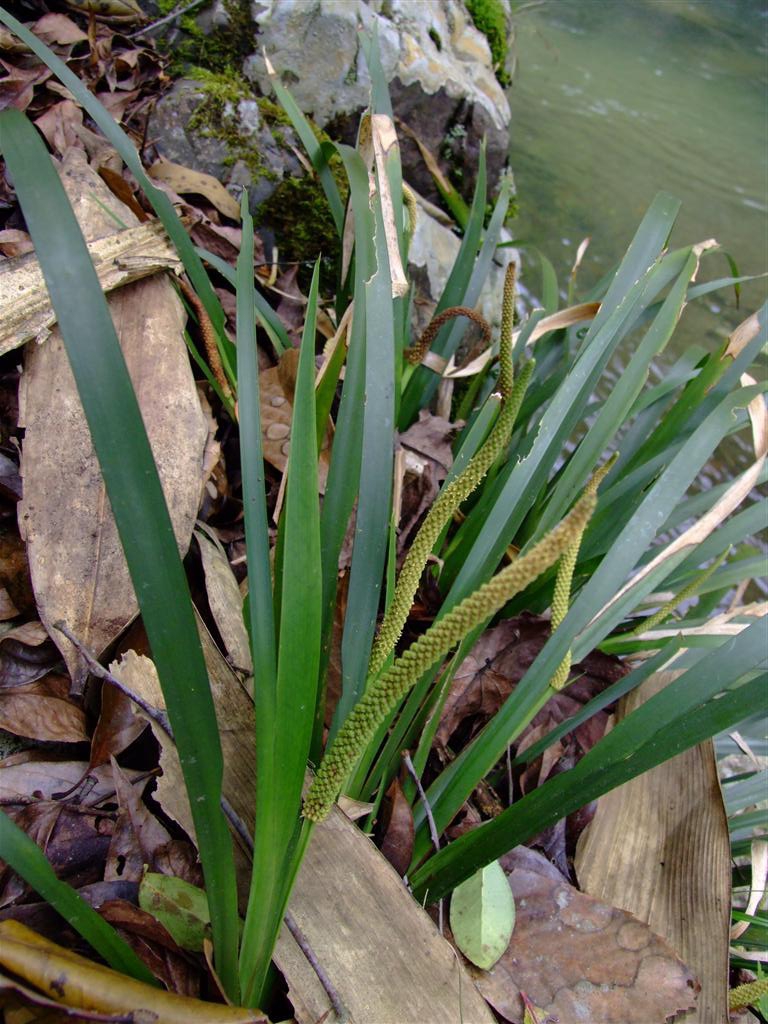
[(659, 847), (578, 959), (43, 711), (77, 564), (117, 727), (225, 600), (152, 944), (26, 654), (24, 777), (137, 834), (498, 662), (185, 180), (398, 829)]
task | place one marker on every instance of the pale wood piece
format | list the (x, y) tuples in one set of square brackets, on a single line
[(382, 952), (658, 847), (130, 255)]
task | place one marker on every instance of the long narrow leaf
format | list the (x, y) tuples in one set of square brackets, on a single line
[(293, 705), (374, 500), (138, 504)]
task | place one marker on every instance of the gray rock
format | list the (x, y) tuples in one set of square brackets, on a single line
[(433, 252), (169, 128), (229, 139), (439, 67)]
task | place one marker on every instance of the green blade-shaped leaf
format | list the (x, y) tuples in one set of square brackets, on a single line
[(456, 781), (616, 313), (483, 915), (281, 771), (137, 501), (27, 859), (314, 150), (707, 698), (374, 499)]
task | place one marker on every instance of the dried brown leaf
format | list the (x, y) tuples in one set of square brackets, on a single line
[(26, 654), (225, 601), (398, 829), (42, 711), (579, 959), (117, 727), (185, 180), (78, 568), (137, 833), (58, 28)]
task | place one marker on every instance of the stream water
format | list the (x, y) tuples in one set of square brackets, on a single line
[(614, 100)]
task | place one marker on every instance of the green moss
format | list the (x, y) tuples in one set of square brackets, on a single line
[(299, 215), (489, 18), (220, 50)]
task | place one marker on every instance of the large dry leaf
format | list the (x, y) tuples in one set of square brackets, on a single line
[(184, 179), (379, 948), (658, 847), (23, 778), (43, 711), (76, 560), (579, 959)]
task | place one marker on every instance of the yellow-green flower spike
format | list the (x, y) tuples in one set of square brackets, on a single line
[(663, 613), (448, 501), (415, 354), (429, 649), (507, 323), (561, 598), (747, 995)]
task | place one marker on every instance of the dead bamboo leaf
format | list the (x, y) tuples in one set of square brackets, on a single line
[(75, 981), (658, 847), (26, 313), (385, 143), (77, 565), (185, 180)]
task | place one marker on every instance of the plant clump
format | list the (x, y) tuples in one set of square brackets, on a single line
[(489, 18)]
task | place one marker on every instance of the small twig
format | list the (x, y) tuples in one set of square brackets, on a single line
[(98, 670), (338, 1006), (433, 833), (164, 21)]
